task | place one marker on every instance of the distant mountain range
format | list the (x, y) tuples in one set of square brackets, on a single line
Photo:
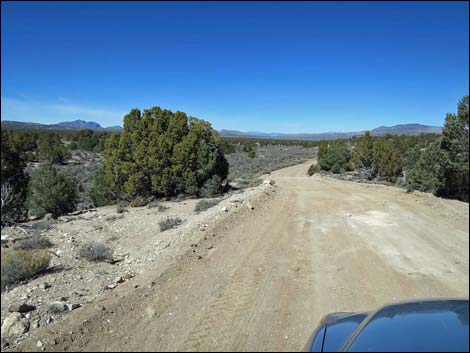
[(68, 125), (405, 129)]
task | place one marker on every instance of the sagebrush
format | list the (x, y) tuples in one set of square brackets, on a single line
[(204, 205), (169, 223), (33, 242), (95, 252), (20, 265)]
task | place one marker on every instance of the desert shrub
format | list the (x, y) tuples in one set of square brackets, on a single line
[(313, 169), (14, 182), (153, 204), (251, 154), (334, 156), (387, 159), (211, 187), (73, 146), (425, 168), (269, 157), (162, 153), (96, 252), (88, 140), (138, 201), (51, 148), (455, 145), (32, 243), (100, 192), (40, 226), (20, 265), (51, 191), (363, 156), (121, 209), (162, 208), (156, 204), (56, 307), (204, 205), (169, 223), (254, 182)]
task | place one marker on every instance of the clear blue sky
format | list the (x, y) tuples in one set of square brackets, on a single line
[(278, 66)]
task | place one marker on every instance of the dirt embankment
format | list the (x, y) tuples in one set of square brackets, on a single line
[(264, 277)]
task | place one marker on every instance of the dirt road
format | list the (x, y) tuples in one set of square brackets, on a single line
[(265, 277)]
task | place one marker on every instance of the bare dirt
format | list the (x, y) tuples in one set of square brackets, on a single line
[(261, 279)]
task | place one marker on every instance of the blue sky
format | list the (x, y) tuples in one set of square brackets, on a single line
[(267, 66)]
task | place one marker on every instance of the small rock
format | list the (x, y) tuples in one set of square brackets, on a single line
[(118, 280), (21, 308), (224, 209), (48, 217), (210, 247), (71, 307), (44, 285), (110, 286), (15, 325), (250, 206), (128, 275), (39, 344), (49, 320), (5, 237)]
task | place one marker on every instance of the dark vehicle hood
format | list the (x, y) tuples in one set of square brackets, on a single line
[(426, 325)]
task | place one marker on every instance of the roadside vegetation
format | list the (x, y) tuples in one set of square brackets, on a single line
[(431, 163), (20, 265), (95, 252), (162, 154), (244, 168), (204, 205), (169, 223)]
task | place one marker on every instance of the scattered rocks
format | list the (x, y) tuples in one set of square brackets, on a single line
[(21, 308), (110, 286), (15, 325)]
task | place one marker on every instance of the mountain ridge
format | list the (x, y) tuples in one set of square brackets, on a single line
[(66, 125), (399, 129)]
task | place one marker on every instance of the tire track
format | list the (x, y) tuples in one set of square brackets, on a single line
[(227, 319)]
